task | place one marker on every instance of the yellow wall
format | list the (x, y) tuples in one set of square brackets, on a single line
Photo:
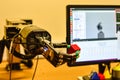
[(48, 14)]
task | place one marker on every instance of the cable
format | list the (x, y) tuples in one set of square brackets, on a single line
[(10, 60), (10, 76), (11, 50), (35, 67)]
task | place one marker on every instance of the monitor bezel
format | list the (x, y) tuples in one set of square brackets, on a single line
[(68, 31)]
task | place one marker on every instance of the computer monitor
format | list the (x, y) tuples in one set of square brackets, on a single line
[(94, 28)]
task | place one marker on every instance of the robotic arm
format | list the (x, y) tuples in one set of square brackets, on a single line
[(36, 41)]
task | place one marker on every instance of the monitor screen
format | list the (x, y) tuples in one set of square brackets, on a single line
[(94, 28)]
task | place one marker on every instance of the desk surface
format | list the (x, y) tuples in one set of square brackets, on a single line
[(45, 71)]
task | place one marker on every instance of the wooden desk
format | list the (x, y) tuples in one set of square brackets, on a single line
[(45, 71)]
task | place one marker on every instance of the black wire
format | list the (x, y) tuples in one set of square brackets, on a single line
[(12, 50), (35, 67), (11, 57), (10, 63)]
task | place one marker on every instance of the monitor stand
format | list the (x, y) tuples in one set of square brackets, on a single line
[(101, 67)]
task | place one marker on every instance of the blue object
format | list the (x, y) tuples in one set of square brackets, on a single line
[(94, 76)]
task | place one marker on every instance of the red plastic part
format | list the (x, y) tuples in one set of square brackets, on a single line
[(73, 48), (101, 76)]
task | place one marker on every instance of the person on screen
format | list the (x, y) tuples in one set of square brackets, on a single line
[(100, 33)]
